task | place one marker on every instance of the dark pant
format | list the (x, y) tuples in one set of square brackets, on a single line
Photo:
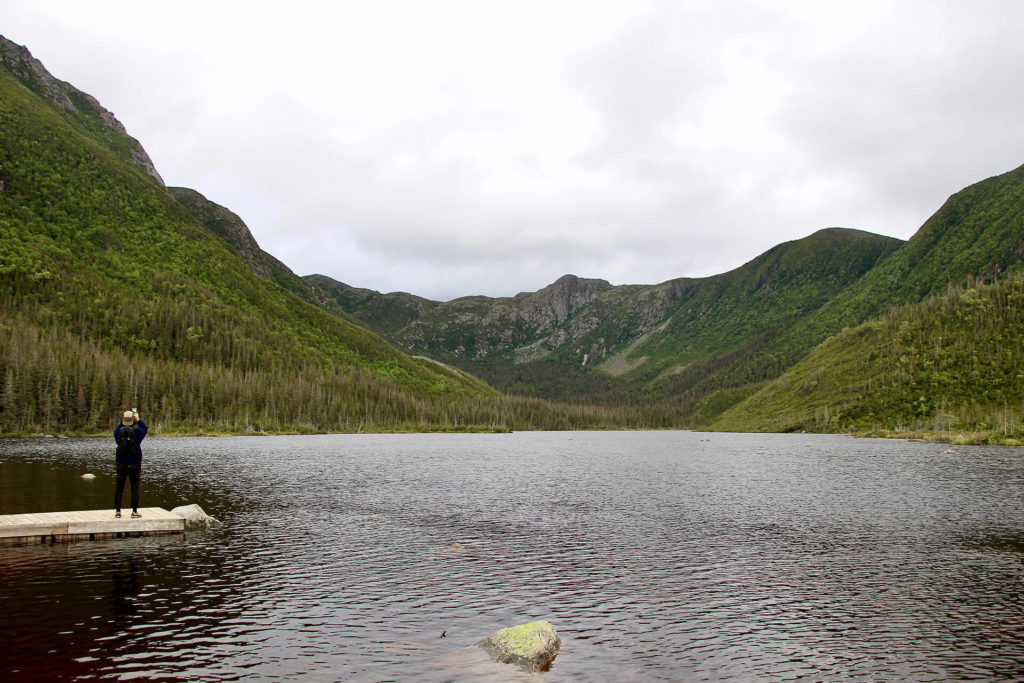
[(132, 470)]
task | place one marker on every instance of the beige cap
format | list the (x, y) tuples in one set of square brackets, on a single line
[(127, 418)]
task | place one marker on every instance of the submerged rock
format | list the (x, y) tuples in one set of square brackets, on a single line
[(196, 517), (531, 646)]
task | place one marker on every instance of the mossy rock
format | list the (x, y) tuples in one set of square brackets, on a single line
[(531, 646)]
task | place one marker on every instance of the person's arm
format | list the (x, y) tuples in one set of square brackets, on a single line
[(140, 429)]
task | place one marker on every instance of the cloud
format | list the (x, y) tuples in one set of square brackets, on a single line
[(455, 148), (908, 109)]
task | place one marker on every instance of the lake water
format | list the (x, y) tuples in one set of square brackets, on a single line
[(656, 556)]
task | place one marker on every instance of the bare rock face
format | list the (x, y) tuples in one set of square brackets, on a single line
[(532, 647), (553, 305), (474, 326), (74, 104)]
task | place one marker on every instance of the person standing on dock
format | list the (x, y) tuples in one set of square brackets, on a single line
[(129, 435)]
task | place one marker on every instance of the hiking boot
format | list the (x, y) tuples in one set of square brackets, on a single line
[(135, 514), (117, 513)]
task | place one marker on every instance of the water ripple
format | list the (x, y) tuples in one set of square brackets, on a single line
[(658, 556)]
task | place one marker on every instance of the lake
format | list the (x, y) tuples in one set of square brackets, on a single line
[(656, 556)]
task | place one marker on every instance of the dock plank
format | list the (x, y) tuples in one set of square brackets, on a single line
[(76, 524)]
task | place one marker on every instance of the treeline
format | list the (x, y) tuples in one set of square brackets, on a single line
[(56, 382)]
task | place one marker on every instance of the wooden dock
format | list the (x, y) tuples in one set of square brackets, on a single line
[(61, 527)]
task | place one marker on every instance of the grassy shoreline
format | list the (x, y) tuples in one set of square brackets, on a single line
[(974, 438)]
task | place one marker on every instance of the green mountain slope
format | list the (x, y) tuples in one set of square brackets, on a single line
[(687, 350), (75, 106), (112, 294), (226, 224), (116, 290), (950, 366), (713, 316), (976, 233)]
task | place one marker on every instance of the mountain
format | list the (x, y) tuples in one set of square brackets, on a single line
[(686, 351), (472, 326), (585, 339), (975, 235), (382, 313), (115, 292)]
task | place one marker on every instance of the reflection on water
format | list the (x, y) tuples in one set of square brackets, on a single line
[(657, 556), (125, 592)]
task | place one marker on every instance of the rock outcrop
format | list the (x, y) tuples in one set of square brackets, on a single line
[(553, 305), (654, 329), (532, 647), (385, 314), (196, 518), (475, 326)]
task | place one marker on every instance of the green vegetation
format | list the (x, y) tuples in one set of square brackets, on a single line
[(951, 367), (685, 352), (665, 349), (723, 313), (116, 291), (385, 314), (977, 233), (111, 294)]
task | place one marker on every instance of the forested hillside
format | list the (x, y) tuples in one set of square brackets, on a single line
[(226, 224), (112, 295), (952, 367), (977, 234)]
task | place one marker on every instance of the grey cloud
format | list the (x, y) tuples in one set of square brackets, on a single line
[(913, 122), (649, 141), (654, 78)]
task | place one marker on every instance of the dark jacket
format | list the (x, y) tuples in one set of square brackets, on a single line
[(140, 434)]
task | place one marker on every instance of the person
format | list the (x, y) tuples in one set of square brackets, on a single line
[(129, 435)]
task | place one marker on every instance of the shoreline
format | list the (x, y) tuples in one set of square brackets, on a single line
[(975, 438)]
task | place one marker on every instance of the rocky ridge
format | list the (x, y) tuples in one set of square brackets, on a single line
[(227, 224), (588, 321), (75, 105)]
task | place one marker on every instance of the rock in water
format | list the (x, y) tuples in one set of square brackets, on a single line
[(88, 477), (195, 517), (531, 646)]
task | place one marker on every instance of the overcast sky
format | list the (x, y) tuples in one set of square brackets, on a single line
[(455, 148)]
